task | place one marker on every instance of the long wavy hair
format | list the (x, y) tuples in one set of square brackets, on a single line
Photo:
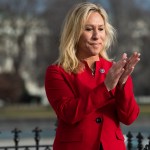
[(72, 30)]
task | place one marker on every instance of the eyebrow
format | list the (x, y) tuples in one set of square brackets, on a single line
[(102, 25)]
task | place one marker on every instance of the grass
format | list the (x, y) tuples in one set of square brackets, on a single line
[(145, 109), (26, 112), (43, 112)]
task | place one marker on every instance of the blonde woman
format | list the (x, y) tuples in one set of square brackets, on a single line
[(90, 94)]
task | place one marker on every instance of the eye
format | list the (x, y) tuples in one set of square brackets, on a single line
[(88, 29), (101, 29)]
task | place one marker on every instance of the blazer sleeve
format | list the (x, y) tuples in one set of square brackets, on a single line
[(67, 106), (127, 107)]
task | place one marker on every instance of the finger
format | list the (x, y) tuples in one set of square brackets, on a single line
[(132, 63), (125, 76), (112, 78), (120, 63), (135, 55), (129, 67), (133, 60), (124, 56), (115, 72)]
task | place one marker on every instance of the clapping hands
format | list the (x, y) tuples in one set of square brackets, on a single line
[(120, 70)]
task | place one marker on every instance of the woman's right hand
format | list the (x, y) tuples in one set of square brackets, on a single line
[(120, 70), (115, 72)]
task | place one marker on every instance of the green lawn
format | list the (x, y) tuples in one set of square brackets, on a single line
[(26, 112), (39, 112), (145, 109)]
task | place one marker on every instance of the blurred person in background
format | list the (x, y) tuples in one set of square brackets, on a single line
[(89, 92)]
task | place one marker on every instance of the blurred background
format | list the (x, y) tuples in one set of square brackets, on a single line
[(29, 39)]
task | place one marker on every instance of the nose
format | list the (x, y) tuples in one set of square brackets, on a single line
[(95, 35)]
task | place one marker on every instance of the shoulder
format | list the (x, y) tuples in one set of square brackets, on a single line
[(55, 70), (53, 67)]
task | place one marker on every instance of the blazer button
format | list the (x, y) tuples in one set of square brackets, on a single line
[(98, 120)]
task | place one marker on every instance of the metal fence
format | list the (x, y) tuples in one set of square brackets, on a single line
[(139, 140), (37, 146), (130, 140)]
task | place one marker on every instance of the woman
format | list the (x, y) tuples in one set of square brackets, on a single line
[(90, 94)]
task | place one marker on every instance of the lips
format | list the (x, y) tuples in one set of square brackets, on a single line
[(95, 43)]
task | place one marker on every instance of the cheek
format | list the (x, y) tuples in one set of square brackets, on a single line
[(103, 35), (83, 39), (85, 36)]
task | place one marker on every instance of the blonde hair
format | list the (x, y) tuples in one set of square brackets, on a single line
[(71, 33)]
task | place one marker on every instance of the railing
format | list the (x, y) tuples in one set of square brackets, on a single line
[(139, 145), (37, 146)]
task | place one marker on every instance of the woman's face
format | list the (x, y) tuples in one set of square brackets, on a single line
[(92, 38)]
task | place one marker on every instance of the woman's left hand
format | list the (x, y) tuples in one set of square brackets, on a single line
[(129, 67)]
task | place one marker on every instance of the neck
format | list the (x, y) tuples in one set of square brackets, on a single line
[(91, 61)]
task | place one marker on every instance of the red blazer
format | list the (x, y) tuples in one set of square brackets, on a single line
[(87, 113)]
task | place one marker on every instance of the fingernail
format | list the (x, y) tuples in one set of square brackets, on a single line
[(125, 54)]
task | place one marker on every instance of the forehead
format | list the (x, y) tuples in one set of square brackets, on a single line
[(94, 18)]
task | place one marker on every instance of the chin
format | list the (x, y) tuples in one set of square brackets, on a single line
[(96, 52)]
